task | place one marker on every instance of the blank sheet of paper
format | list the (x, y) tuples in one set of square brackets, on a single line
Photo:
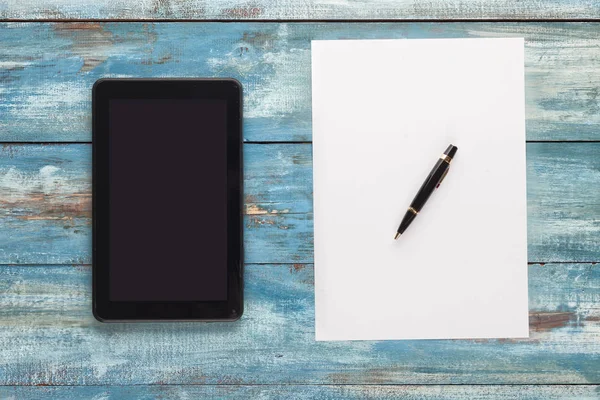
[(383, 113)]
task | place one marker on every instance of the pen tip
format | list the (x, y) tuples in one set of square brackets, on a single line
[(397, 235)]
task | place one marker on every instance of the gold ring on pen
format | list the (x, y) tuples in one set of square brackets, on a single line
[(446, 158), (412, 210)]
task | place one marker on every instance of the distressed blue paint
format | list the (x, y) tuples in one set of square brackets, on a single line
[(277, 179), (563, 201), (57, 242), (45, 198), (47, 70), (291, 9), (287, 238), (297, 392), (46, 217), (49, 336)]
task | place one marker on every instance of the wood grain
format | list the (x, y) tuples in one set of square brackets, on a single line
[(46, 202), (293, 10), (49, 337), (301, 392), (47, 70), (563, 201)]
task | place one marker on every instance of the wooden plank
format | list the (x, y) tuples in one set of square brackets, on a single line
[(49, 337), (294, 10), (300, 392), (563, 201), (46, 203), (47, 70)]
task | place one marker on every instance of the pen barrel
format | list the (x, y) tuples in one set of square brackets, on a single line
[(428, 187)]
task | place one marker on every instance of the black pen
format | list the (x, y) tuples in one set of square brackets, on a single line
[(433, 181)]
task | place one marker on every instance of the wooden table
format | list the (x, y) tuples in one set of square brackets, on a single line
[(50, 345)]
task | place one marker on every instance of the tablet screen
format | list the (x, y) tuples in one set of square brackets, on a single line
[(168, 200)]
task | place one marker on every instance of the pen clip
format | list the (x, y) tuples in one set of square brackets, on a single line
[(442, 178)]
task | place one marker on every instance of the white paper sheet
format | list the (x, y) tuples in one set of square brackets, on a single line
[(383, 113)]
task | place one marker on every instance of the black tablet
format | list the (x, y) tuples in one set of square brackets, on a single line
[(167, 206)]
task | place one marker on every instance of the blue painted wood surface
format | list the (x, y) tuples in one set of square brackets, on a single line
[(48, 70), (47, 334), (49, 337), (304, 392), (291, 9)]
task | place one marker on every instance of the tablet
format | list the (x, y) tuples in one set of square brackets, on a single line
[(167, 206)]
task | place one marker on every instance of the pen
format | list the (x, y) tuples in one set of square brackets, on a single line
[(433, 181)]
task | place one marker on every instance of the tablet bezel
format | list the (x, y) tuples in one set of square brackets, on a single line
[(103, 91)]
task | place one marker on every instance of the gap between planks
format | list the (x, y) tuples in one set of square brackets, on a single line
[(529, 263), (303, 21), (39, 143), (314, 384)]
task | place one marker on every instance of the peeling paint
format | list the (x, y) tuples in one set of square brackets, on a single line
[(253, 209), (228, 10), (542, 321), (242, 12)]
